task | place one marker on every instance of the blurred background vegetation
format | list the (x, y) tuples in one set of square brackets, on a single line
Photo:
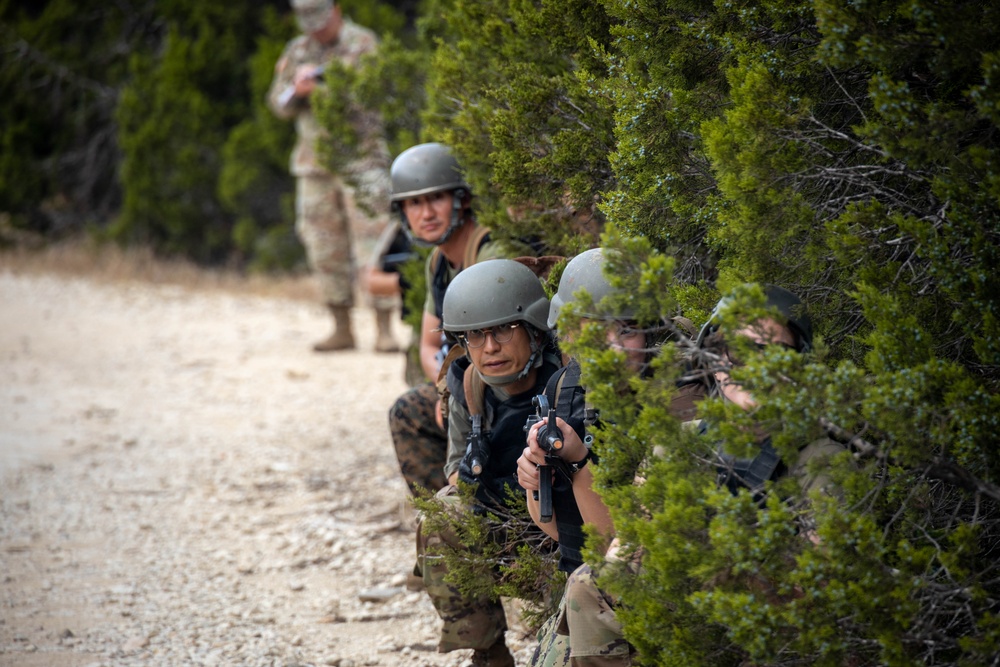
[(849, 151), (144, 123)]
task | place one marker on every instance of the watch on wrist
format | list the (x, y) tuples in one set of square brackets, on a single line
[(579, 465)]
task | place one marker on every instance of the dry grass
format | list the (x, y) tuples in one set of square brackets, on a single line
[(111, 264)]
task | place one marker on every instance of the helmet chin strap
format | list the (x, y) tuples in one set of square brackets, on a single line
[(534, 361), (455, 223)]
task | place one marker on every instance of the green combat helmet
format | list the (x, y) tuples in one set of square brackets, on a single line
[(422, 170), (778, 298), (496, 292), (585, 271)]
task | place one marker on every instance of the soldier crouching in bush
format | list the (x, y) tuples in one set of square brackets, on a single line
[(575, 501), (498, 310), (587, 630)]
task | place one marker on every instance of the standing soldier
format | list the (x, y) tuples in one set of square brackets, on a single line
[(322, 218), (435, 207)]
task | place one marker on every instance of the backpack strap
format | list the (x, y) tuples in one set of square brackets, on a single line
[(441, 384), (567, 397), (475, 391), (480, 236), (569, 379), (435, 259), (475, 398)]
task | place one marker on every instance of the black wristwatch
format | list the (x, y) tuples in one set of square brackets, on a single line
[(579, 465)]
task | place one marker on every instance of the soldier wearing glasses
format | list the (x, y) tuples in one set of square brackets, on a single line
[(498, 310)]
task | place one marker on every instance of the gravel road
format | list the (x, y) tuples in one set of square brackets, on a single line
[(183, 482)]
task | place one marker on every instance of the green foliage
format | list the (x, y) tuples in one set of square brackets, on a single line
[(254, 184), (170, 136), (525, 122), (495, 551), (845, 150), (59, 77), (412, 273), (846, 171)]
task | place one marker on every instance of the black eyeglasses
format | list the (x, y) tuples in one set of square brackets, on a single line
[(502, 333)]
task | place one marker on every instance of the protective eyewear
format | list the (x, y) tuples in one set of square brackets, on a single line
[(502, 333)]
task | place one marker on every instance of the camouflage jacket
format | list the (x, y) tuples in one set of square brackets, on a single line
[(355, 41)]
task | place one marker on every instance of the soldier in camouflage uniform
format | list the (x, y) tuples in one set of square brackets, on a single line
[(586, 631), (334, 233), (510, 357), (434, 204), (576, 503)]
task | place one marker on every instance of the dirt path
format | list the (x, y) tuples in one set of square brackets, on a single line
[(182, 482)]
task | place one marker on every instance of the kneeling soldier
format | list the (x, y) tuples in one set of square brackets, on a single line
[(498, 311)]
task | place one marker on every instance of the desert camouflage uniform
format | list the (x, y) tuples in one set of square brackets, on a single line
[(335, 229)]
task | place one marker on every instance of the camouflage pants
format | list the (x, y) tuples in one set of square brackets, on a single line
[(585, 632), (421, 445), (475, 623), (322, 224)]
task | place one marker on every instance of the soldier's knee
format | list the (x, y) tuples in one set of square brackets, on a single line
[(581, 586)]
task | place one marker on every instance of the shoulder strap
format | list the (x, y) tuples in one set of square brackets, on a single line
[(553, 388), (475, 391), (480, 236), (435, 259), (567, 397), (570, 379)]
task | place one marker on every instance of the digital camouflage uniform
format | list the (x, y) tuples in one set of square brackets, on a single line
[(597, 639), (420, 443), (336, 229)]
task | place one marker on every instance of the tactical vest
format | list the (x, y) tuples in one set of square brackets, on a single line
[(503, 431)]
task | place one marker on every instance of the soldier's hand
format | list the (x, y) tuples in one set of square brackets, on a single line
[(376, 282), (304, 80), (527, 471), (572, 450), (438, 415)]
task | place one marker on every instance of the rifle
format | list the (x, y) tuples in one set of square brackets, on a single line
[(288, 93), (478, 455), (550, 439), (393, 261)]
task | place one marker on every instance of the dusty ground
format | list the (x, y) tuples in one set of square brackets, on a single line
[(183, 482)]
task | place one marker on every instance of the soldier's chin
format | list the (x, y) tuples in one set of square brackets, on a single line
[(496, 371), (432, 237)]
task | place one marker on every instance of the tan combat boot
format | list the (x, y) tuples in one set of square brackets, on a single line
[(341, 338), (497, 655), (384, 341)]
